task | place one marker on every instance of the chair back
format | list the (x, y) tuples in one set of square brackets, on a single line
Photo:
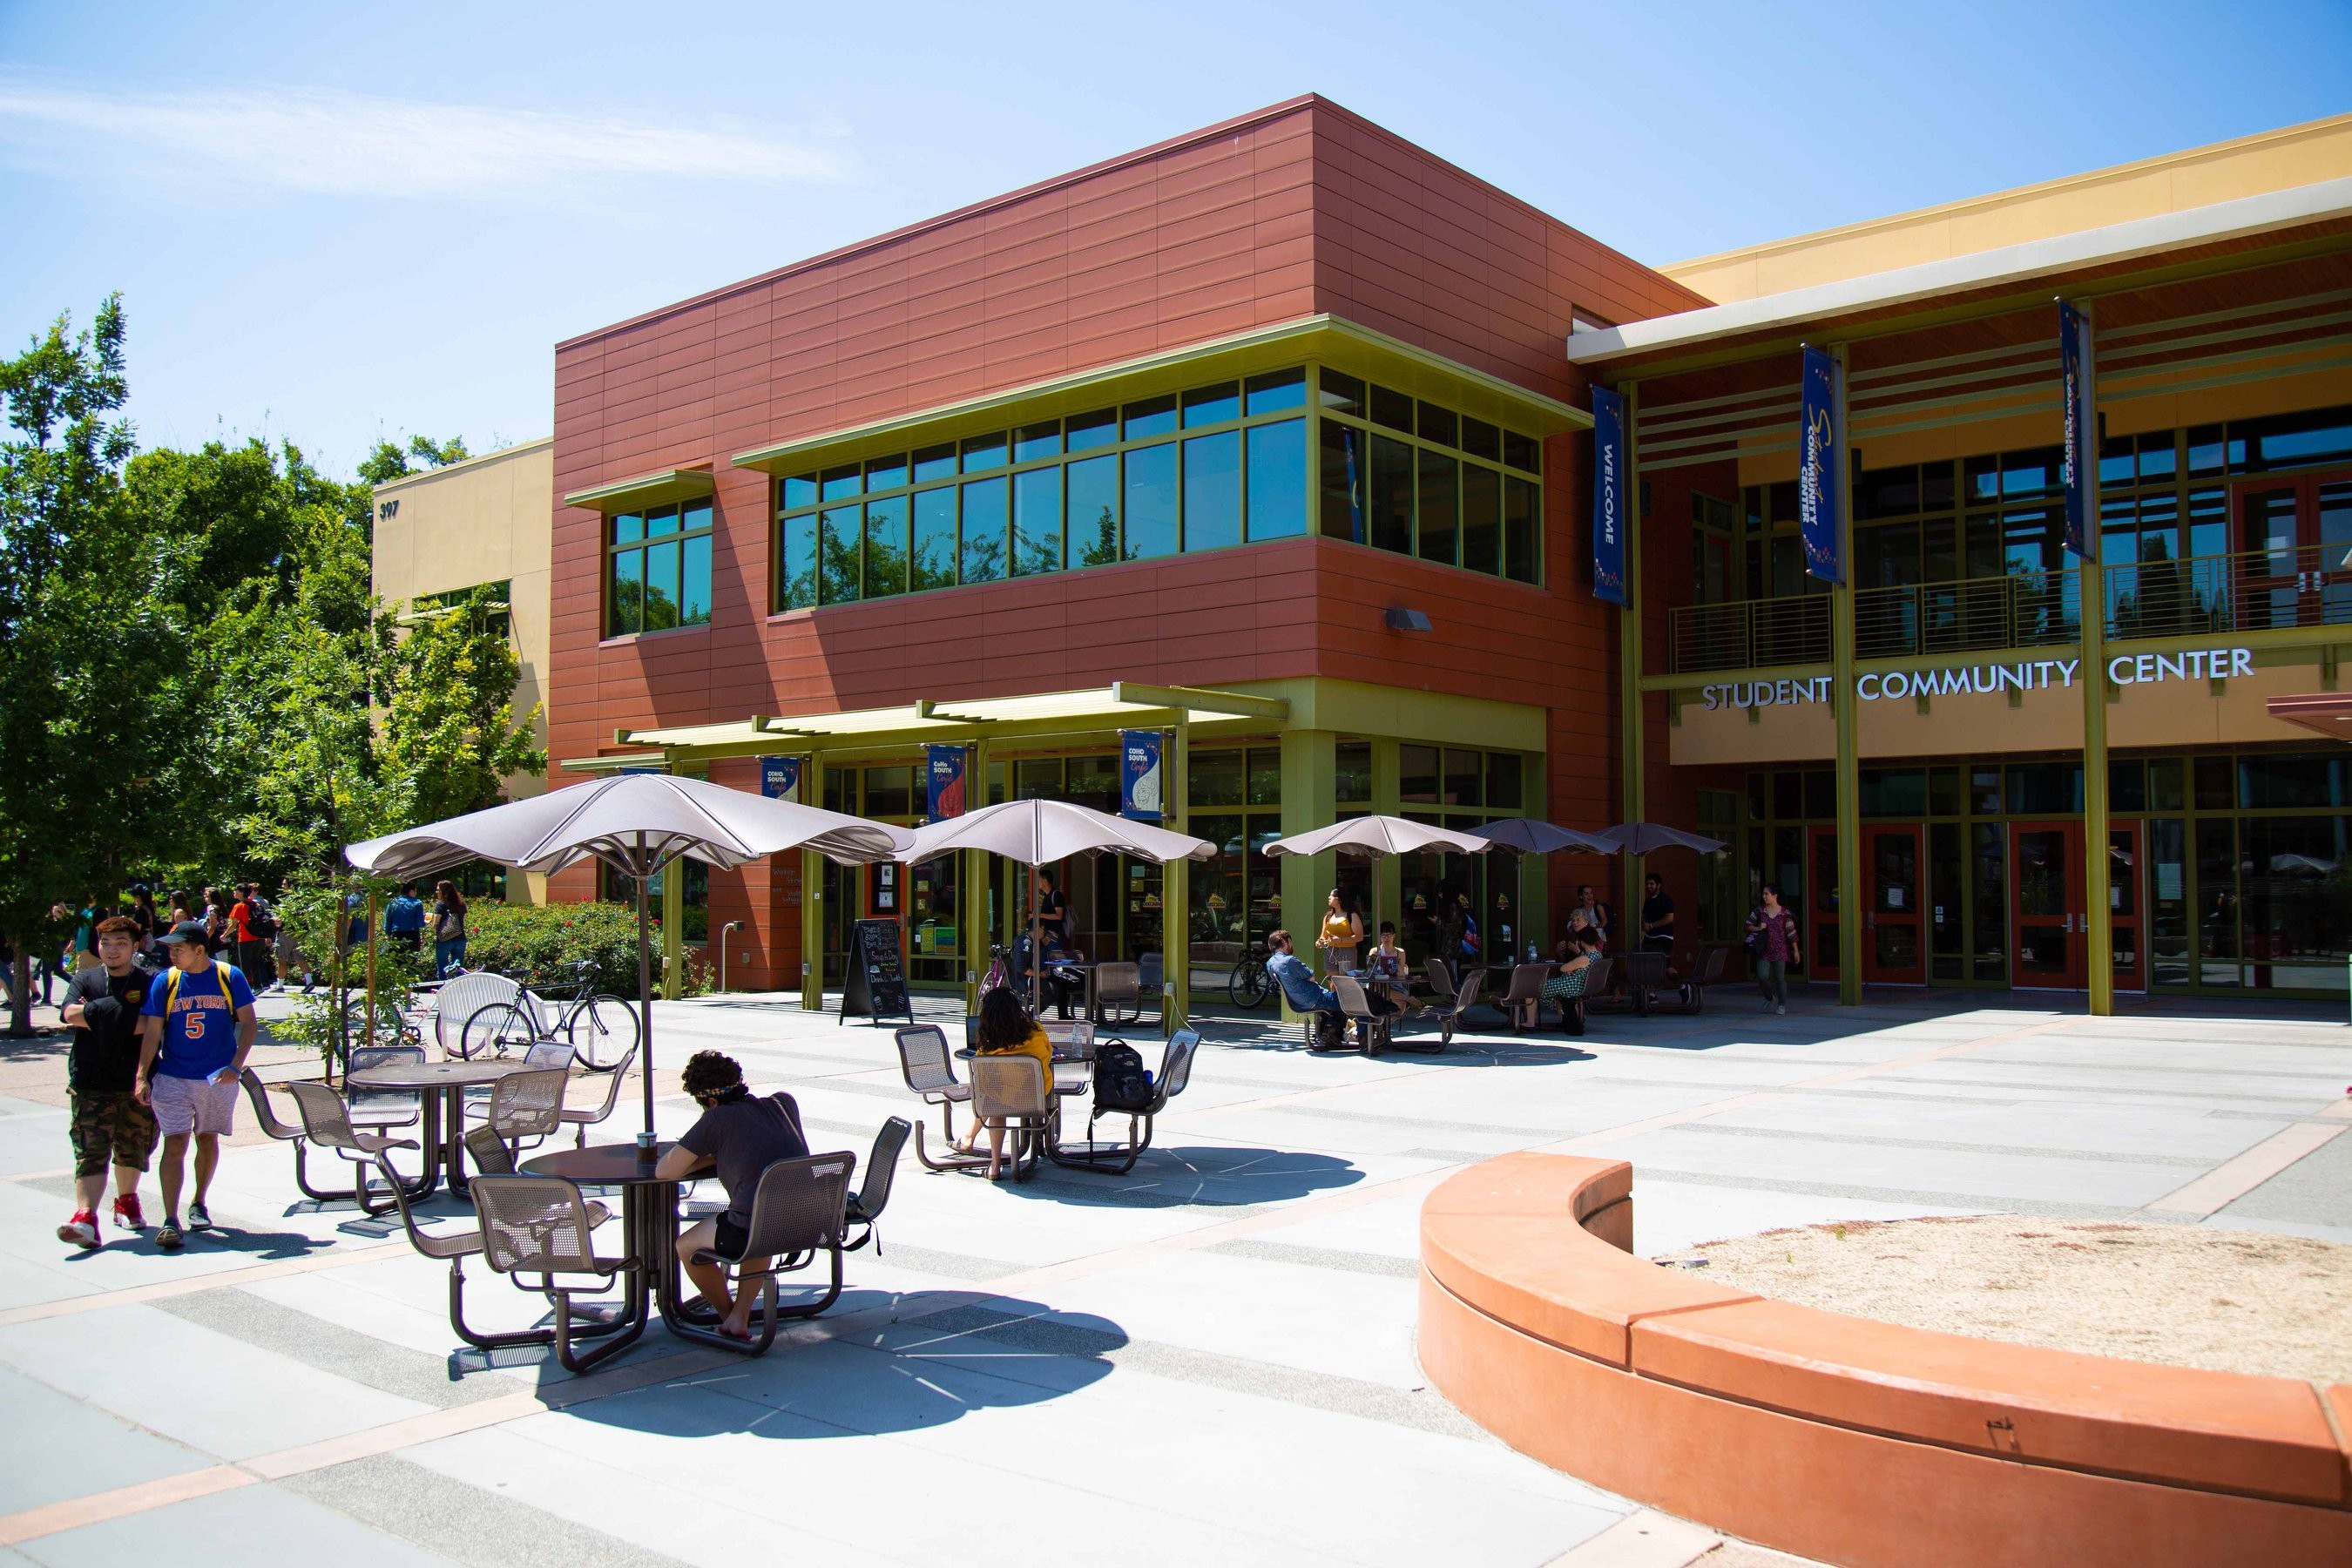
[(612, 1091), (449, 1244), (534, 1224), (881, 1165), (491, 1157), (792, 1109), (1151, 971), (1118, 981), (326, 1121), (263, 1112), (1467, 997), (376, 1100), (548, 1053), (1176, 1064), (1596, 974), (1353, 1003), (923, 1059), (1711, 971), (527, 1104), (797, 1206), (1441, 978), (1526, 983), (460, 999), (1009, 1085)]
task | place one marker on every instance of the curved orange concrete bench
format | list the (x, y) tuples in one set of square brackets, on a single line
[(1837, 1437)]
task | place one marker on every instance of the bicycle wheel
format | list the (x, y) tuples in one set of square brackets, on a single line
[(499, 1029), (391, 1027), (1249, 986), (602, 1031)]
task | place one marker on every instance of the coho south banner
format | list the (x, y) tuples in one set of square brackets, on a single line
[(2080, 467), (780, 778), (1821, 466), (1138, 775), (1608, 496), (943, 776)]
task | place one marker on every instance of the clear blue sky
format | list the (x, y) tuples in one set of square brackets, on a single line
[(334, 222)]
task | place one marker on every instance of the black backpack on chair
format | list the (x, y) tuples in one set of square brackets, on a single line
[(1120, 1082)]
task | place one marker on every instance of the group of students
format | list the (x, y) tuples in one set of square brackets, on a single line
[(404, 925), (156, 1058)]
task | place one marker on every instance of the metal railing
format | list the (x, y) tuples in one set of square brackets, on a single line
[(2253, 590)]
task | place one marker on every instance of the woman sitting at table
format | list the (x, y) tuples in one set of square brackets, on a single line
[(1005, 1029), (1388, 964), (1575, 956), (1342, 935), (741, 1136)]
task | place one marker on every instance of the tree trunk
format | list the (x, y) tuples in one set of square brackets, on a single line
[(20, 1014)]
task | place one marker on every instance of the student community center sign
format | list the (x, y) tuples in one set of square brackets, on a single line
[(2031, 675)]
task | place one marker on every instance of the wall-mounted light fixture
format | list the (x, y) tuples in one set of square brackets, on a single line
[(1404, 620)]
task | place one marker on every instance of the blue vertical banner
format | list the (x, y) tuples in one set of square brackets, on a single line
[(1608, 496), (780, 778), (1140, 776), (2079, 469), (1821, 466), (943, 769)]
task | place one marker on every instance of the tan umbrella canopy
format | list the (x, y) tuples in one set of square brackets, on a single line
[(636, 824), (1040, 832), (1642, 837), (1532, 835), (1369, 837)]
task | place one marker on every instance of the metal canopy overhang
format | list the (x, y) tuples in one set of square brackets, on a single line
[(2328, 713), (1124, 705), (1989, 282), (1326, 338), (646, 489)]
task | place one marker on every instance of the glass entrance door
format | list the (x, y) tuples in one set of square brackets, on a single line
[(2123, 906), (1892, 948), (2046, 875), (2296, 565), (1820, 932)]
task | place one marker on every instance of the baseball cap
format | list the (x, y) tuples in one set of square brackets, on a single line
[(187, 930)]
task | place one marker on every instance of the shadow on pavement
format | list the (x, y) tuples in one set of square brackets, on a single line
[(1208, 1176)]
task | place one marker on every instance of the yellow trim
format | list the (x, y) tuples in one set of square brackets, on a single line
[(646, 490), (1325, 338)]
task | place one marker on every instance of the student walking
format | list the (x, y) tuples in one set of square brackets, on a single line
[(110, 1125), (249, 948), (404, 918), (448, 929), (198, 1029), (1772, 939)]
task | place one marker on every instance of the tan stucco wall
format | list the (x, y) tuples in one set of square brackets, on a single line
[(2271, 160), (2172, 713), (478, 521)]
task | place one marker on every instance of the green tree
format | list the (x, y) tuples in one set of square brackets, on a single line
[(449, 736), (389, 461)]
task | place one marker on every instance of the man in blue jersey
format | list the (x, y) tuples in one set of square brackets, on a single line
[(197, 1029)]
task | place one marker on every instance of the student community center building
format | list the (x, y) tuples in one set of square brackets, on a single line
[(1275, 442)]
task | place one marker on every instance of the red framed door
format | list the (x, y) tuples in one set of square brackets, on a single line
[(1894, 945), (2123, 898), (2295, 536), (2045, 866), (1819, 930)]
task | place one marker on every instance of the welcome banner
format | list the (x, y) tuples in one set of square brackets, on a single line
[(1608, 496), (943, 774)]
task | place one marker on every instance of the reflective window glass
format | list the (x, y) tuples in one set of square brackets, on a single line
[(1275, 390), (1036, 522), (1439, 507), (796, 570), (1212, 405), (1149, 501), (1389, 503), (625, 602), (841, 482), (1519, 528), (1352, 776), (1093, 513), (1086, 431), (2205, 453), (886, 473), (1391, 408), (1463, 778), (890, 792), (1032, 441), (694, 583), (984, 518), (1216, 778), (1340, 393), (1342, 481), (628, 526), (934, 561), (1482, 519), (841, 544), (1523, 452), (1266, 775), (1439, 424), (1213, 490), (661, 586), (886, 547), (1481, 439), (1277, 480), (1152, 417), (936, 462), (1416, 774), (981, 453), (1505, 791), (799, 491), (661, 520)]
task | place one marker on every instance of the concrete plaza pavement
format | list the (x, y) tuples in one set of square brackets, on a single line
[(1209, 1360)]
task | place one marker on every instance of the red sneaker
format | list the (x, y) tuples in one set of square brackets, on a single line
[(126, 1212), (81, 1230)]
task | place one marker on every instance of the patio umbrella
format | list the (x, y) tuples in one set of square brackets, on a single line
[(1369, 837), (1039, 832), (636, 824), (1532, 835), (1641, 837)]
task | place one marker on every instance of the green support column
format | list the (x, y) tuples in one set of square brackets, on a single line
[(1388, 871), (2098, 871), (1176, 890), (1851, 902), (813, 897), (1310, 798), (975, 870), (1534, 918), (1629, 664), (673, 931)]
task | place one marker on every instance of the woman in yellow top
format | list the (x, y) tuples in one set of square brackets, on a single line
[(1342, 935), (1006, 1029)]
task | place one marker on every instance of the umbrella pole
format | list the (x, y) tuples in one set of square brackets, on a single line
[(1036, 950), (645, 1002), (371, 964)]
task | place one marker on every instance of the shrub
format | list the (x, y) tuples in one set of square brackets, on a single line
[(539, 943)]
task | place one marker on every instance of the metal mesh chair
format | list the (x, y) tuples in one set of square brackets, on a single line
[(1441, 980), (1522, 1004), (864, 1206), (1687, 992), (586, 1117), (457, 1246), (490, 1156), (929, 1071), (541, 1225), (527, 1106), (376, 1109), (1071, 1039), (266, 1114), (1118, 1156), (1450, 1017), (1597, 998), (1013, 1090), (460, 999), (797, 1210), (1118, 993), (1356, 1006), (326, 1124)]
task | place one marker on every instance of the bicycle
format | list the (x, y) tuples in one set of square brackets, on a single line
[(1000, 969), (1249, 984), (601, 1028)]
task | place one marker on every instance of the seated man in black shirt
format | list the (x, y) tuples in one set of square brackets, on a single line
[(108, 1124), (741, 1136)]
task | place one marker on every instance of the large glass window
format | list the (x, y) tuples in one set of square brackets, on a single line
[(1278, 471), (657, 569), (1213, 488), (1419, 478), (1150, 500), (1038, 521), (984, 520)]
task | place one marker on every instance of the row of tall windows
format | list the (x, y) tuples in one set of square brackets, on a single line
[(657, 569), (1416, 477)]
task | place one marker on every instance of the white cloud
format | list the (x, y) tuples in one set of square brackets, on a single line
[(354, 144)]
